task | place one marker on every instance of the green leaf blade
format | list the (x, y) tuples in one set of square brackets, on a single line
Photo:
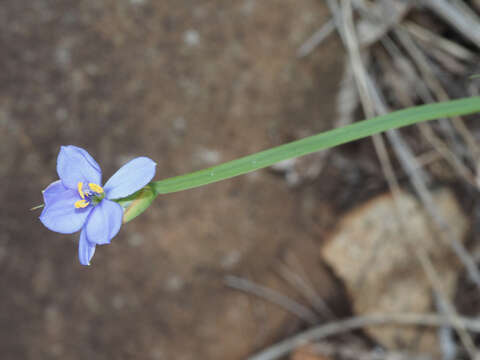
[(318, 142)]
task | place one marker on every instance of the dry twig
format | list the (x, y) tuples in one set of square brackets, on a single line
[(316, 39), (273, 296), (373, 103), (355, 352), (300, 282), (460, 20), (321, 332)]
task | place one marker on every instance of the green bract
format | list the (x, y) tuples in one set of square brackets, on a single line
[(138, 202)]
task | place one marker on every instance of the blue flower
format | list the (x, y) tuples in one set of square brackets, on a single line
[(78, 202)]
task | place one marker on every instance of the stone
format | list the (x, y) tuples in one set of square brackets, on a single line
[(370, 253)]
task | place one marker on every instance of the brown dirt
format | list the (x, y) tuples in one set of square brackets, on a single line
[(188, 84)]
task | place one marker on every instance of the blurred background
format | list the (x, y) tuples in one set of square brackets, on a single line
[(224, 271)]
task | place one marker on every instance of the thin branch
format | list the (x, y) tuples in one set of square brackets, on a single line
[(437, 88), (373, 102), (432, 39), (273, 296), (404, 69), (320, 332), (304, 287), (421, 253), (445, 230), (316, 39), (461, 21), (355, 352)]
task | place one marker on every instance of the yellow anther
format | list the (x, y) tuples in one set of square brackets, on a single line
[(96, 188), (80, 204), (80, 191)]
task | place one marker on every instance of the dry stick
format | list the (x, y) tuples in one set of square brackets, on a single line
[(440, 42), (403, 152), (321, 34), (422, 255), (355, 352), (466, 9), (446, 335), (366, 100), (459, 249), (424, 92), (428, 157), (424, 67), (444, 150), (273, 296), (463, 23), (457, 121), (403, 97), (367, 103), (437, 88), (372, 102), (449, 63), (316, 39), (408, 70), (360, 77), (320, 332), (306, 290), (336, 17), (378, 20), (348, 37), (299, 280), (405, 156)]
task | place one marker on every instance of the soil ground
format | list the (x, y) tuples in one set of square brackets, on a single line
[(189, 84)]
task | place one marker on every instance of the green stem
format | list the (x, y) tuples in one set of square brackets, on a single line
[(318, 142)]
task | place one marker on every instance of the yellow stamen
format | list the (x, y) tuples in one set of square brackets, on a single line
[(96, 188), (80, 204), (80, 191)]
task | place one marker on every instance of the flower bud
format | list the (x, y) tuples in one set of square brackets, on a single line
[(137, 203)]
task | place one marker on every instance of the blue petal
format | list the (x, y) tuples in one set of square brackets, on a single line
[(85, 249), (104, 222), (75, 164), (131, 177), (53, 191), (59, 213)]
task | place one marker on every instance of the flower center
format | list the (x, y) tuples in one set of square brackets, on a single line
[(91, 194)]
